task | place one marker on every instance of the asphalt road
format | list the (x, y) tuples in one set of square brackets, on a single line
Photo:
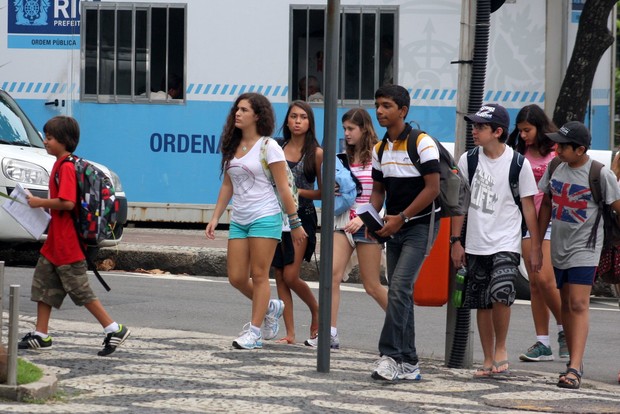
[(211, 305)]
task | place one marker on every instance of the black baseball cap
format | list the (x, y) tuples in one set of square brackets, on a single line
[(490, 113), (572, 132)]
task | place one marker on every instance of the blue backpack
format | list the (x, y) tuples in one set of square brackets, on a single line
[(347, 187)]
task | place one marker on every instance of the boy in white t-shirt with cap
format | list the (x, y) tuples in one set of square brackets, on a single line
[(575, 255), (492, 247)]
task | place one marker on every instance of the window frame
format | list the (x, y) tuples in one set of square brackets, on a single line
[(361, 10), (133, 7)]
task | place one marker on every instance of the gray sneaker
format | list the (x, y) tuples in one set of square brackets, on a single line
[(407, 371), (563, 346), (537, 352), (387, 369)]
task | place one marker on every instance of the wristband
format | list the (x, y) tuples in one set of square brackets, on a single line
[(295, 226)]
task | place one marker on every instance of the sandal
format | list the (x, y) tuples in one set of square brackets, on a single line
[(483, 372), (314, 331), (497, 364), (571, 383), (286, 340)]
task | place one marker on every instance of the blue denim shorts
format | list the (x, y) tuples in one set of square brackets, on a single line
[(269, 227), (360, 236), (575, 275)]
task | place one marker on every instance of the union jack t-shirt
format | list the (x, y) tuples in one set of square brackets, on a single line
[(573, 213)]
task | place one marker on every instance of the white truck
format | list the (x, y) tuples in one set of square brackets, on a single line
[(116, 65), (24, 161)]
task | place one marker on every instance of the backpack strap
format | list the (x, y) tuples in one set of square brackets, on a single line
[(412, 151), (513, 176), (381, 149), (594, 181), (472, 163)]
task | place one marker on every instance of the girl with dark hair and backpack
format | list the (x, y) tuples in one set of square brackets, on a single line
[(529, 138), (349, 235), (256, 219), (304, 157)]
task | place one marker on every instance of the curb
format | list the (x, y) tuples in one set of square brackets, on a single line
[(38, 390)]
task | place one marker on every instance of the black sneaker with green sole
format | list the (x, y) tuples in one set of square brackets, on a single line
[(32, 341), (114, 340)]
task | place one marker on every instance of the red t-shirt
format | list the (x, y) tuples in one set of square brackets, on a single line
[(62, 246)]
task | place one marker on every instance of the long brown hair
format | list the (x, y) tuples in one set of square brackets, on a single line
[(231, 135), (308, 151), (361, 118)]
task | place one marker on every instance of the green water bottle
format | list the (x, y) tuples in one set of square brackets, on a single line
[(459, 287)]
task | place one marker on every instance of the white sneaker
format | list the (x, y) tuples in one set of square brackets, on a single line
[(334, 342), (387, 369), (407, 371), (270, 324), (248, 339)]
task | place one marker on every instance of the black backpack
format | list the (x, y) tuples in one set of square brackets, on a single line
[(513, 177)]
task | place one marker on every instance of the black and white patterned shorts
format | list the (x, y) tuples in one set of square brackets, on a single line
[(491, 279)]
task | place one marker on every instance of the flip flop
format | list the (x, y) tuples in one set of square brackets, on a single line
[(570, 383), (314, 331), (286, 340), (483, 372), (498, 364)]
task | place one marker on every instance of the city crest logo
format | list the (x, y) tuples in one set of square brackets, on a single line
[(31, 12)]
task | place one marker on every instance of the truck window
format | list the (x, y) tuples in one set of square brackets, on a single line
[(133, 52), (367, 52)]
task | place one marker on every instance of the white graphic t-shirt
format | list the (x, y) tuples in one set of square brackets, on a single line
[(493, 218), (253, 195)]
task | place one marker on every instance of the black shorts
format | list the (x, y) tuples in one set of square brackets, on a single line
[(285, 251)]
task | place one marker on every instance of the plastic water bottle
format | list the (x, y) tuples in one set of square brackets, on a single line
[(459, 287)]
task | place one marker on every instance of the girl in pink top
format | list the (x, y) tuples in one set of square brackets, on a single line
[(529, 139)]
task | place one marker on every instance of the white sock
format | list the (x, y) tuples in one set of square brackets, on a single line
[(111, 328), (255, 330), (543, 339), (333, 331), (560, 328), (41, 334)]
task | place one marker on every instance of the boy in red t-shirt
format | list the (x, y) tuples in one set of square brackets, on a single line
[(61, 269)]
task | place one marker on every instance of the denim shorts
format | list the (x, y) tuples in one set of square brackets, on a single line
[(269, 227), (575, 275), (360, 236)]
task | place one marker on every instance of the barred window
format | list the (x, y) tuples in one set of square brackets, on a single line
[(133, 52), (367, 52)]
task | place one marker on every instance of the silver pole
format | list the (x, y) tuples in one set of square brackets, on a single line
[(11, 378), (327, 192)]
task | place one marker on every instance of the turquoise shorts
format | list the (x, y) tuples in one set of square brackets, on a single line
[(269, 227)]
